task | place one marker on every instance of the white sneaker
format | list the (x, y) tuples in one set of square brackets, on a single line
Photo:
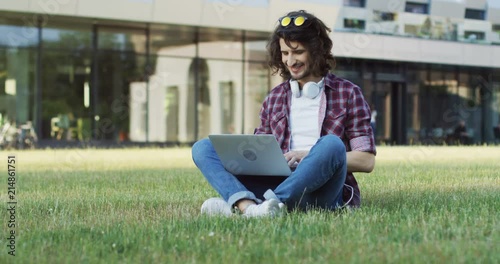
[(283, 208), (216, 207), (267, 208)]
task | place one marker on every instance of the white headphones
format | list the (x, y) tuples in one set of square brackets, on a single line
[(310, 89)]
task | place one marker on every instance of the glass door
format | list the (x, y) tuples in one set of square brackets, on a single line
[(390, 102)]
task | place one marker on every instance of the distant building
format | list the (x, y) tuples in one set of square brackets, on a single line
[(176, 71)]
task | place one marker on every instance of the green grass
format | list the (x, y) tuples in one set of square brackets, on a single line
[(420, 205)]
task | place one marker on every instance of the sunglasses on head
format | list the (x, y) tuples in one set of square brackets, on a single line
[(297, 20)]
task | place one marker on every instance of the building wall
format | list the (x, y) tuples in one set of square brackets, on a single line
[(414, 50), (244, 14), (169, 71), (262, 16)]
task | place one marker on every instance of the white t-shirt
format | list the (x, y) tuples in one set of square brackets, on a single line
[(304, 116)]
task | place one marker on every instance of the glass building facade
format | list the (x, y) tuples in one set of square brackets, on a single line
[(422, 103), (131, 81), (81, 79)]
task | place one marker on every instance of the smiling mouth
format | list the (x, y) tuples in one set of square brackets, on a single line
[(296, 67)]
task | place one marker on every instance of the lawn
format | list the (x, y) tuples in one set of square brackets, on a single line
[(420, 205)]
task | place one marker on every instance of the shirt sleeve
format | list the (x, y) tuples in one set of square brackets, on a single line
[(264, 127), (358, 129)]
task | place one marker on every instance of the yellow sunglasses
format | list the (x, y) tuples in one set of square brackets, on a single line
[(297, 20)]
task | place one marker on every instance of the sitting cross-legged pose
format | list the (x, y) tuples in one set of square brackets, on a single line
[(321, 122)]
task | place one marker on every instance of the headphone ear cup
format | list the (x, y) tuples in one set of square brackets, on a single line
[(294, 86), (311, 90)]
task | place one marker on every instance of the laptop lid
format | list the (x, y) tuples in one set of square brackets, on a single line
[(256, 155)]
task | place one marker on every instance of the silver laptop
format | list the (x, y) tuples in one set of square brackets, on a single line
[(256, 155)]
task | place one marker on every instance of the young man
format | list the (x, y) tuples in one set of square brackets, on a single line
[(321, 122)]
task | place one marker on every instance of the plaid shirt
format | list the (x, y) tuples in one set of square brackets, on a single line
[(343, 112)]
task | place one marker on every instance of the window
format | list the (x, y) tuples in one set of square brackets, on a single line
[(417, 8), (496, 28), (18, 55), (120, 69), (474, 14), (383, 16), (355, 3), (474, 35), (354, 24), (122, 39)]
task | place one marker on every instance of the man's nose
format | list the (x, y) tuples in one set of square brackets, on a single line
[(290, 60)]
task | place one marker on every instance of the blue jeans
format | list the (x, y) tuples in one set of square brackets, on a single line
[(317, 181)]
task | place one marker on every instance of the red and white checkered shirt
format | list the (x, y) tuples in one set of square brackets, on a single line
[(343, 112)]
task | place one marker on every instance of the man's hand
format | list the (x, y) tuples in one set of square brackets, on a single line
[(294, 157)]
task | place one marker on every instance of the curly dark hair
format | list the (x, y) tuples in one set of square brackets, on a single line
[(313, 35)]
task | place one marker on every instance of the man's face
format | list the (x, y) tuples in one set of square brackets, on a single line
[(296, 59)]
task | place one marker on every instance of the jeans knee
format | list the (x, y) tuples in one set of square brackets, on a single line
[(200, 148), (332, 141), (332, 146)]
